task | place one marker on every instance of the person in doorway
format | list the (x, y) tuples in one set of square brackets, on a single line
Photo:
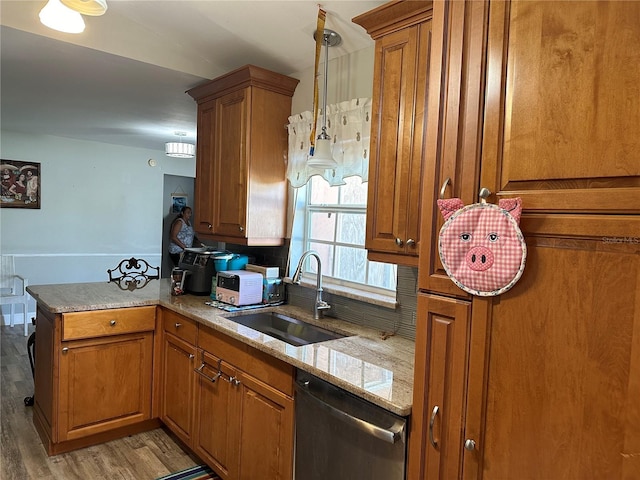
[(181, 235)]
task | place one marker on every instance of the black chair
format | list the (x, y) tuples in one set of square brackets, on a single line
[(133, 273)]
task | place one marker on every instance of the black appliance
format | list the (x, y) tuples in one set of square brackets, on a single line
[(201, 268)]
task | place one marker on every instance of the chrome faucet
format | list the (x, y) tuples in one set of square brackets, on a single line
[(320, 304)]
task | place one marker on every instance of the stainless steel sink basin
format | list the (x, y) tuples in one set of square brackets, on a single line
[(294, 332)]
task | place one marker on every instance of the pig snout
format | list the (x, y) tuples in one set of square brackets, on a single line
[(479, 258)]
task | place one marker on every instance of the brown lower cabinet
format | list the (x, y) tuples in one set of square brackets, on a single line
[(231, 404), (93, 376), (178, 379)]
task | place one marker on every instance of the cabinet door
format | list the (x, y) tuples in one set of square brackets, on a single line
[(105, 383), (452, 154), (563, 105), (398, 124), (231, 134), (554, 371), (216, 413), (266, 431), (439, 391), (178, 386), (203, 201)]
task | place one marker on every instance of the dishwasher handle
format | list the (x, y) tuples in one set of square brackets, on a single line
[(391, 435)]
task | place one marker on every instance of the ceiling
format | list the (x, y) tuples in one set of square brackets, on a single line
[(123, 80)]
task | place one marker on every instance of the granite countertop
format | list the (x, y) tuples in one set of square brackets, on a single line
[(363, 363)]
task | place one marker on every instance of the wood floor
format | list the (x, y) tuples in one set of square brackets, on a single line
[(145, 456)]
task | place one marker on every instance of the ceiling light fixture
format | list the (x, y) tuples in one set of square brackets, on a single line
[(94, 8), (55, 15), (322, 156), (179, 149)]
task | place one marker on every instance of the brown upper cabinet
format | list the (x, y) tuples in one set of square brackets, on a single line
[(402, 34), (240, 187), (532, 100), (562, 106)]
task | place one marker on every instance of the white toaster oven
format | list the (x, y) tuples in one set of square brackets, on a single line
[(239, 287)]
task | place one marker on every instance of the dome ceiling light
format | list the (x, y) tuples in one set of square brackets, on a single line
[(179, 149), (66, 15), (58, 17)]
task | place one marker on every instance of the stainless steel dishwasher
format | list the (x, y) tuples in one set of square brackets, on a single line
[(342, 437)]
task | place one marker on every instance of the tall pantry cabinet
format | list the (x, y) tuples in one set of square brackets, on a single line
[(538, 100)]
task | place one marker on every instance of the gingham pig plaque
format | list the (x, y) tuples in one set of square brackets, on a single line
[(481, 245)]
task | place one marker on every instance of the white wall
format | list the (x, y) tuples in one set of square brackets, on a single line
[(100, 203)]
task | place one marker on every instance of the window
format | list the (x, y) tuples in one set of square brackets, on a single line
[(334, 226)]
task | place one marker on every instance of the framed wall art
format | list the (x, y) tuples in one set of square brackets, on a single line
[(178, 201), (20, 184)]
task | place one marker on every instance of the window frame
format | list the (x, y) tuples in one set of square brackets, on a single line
[(331, 283)]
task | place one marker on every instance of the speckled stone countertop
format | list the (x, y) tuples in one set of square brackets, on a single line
[(362, 363)]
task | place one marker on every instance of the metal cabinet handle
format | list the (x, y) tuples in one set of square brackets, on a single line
[(112, 323), (434, 414), (65, 349), (470, 444), (211, 379), (241, 228), (399, 242), (209, 226), (443, 189), (234, 381), (191, 356), (178, 325), (411, 242), (484, 194)]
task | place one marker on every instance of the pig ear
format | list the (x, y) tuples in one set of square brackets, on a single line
[(513, 206), (449, 206)]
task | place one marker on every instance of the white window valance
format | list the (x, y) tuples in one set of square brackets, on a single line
[(349, 126)]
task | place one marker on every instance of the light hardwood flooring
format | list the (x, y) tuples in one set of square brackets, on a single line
[(145, 456)]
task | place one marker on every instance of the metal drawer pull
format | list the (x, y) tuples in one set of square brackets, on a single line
[(470, 444), (211, 379), (443, 189), (112, 323), (434, 414), (411, 242), (65, 349), (178, 325), (191, 356), (391, 435), (399, 242)]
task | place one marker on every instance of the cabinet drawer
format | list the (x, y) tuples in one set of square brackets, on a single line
[(182, 327), (100, 323)]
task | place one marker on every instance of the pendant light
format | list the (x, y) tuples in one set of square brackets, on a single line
[(322, 156), (179, 149), (58, 17)]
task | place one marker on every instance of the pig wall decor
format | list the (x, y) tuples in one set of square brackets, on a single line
[(481, 245)]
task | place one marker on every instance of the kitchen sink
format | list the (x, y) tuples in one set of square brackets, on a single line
[(290, 330)]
